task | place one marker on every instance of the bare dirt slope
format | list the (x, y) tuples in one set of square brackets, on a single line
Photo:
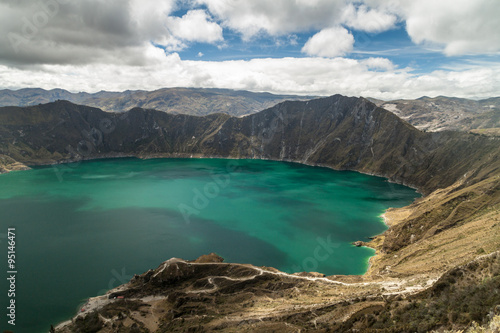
[(446, 113)]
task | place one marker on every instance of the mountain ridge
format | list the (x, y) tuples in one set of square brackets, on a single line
[(196, 101), (426, 113)]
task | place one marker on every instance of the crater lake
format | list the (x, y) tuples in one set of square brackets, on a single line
[(87, 227)]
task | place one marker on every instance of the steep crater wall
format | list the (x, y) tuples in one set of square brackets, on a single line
[(338, 132)]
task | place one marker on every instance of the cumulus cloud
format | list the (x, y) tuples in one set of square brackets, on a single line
[(374, 77), (383, 64), (331, 42), (92, 45), (458, 26), (195, 26), (463, 27), (369, 20), (110, 31), (96, 31), (277, 17), (79, 32)]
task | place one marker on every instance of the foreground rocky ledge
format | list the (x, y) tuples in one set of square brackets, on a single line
[(209, 295)]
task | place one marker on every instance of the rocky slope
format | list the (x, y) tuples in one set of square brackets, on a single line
[(207, 295), (8, 164), (457, 220), (446, 113), (339, 132), (174, 100), (425, 113)]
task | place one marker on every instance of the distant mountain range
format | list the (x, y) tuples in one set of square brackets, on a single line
[(428, 114), (192, 101), (446, 113)]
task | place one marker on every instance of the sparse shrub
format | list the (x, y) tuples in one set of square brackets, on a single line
[(90, 324), (475, 328)]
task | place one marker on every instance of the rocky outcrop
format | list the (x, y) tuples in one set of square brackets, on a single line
[(208, 258), (182, 296), (8, 164)]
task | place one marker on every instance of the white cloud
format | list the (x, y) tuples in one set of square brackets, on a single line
[(96, 31), (195, 26), (312, 76), (462, 26), (119, 31), (148, 16), (92, 45), (330, 42), (369, 20), (458, 26), (81, 32), (383, 64), (276, 17)]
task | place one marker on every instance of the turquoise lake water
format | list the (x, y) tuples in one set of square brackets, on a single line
[(84, 228)]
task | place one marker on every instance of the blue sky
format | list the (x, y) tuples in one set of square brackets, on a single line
[(384, 49), (394, 44)]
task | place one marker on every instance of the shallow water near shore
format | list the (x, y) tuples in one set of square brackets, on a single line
[(84, 228)]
